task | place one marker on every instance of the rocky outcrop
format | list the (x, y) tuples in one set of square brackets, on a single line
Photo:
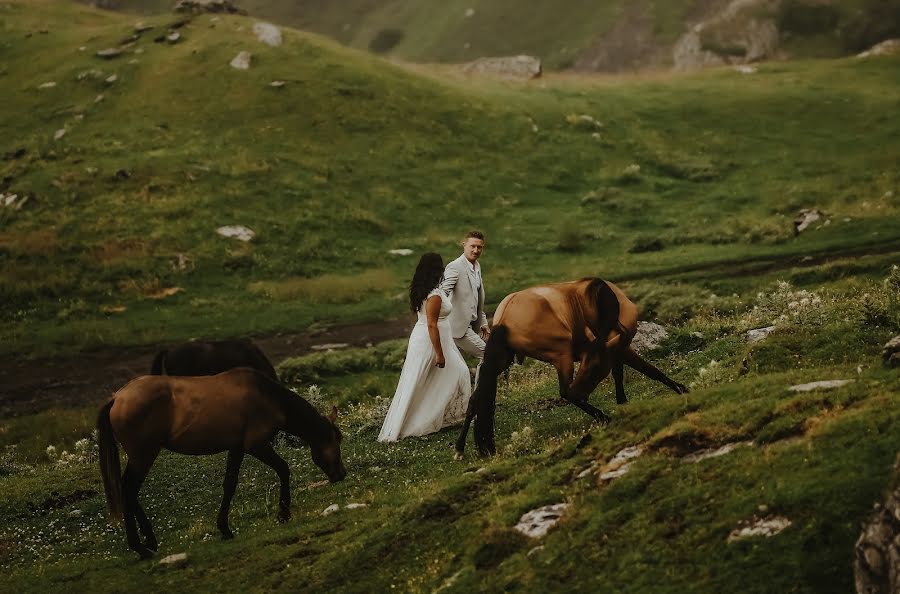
[(877, 559), (513, 67), (888, 47), (200, 6)]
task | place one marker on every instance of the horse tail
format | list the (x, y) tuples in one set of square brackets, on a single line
[(262, 363), (110, 469), (496, 359), (157, 368), (608, 308)]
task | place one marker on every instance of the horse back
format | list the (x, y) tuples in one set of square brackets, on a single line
[(539, 321), (211, 358)]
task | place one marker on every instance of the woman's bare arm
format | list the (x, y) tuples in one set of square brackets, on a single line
[(432, 311)]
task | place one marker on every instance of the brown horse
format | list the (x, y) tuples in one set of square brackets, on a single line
[(590, 320), (237, 411), (209, 358)]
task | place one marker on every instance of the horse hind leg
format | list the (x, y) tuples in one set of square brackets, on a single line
[(232, 471), (135, 472), (618, 373), (635, 361)]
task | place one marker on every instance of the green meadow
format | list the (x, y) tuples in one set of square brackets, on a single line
[(681, 189)]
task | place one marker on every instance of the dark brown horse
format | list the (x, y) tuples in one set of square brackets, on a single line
[(237, 411), (210, 358), (590, 321)]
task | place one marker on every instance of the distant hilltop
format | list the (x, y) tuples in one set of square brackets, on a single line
[(610, 36)]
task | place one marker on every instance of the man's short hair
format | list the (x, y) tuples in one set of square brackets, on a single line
[(475, 234)]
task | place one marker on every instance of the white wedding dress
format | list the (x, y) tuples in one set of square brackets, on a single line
[(428, 397)]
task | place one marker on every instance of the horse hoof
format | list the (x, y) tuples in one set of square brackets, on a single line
[(144, 553), (227, 535), (284, 517), (152, 545)]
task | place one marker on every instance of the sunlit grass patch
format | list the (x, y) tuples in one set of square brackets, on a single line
[(329, 288)]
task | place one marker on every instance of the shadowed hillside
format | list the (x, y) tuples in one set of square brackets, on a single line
[(608, 36)]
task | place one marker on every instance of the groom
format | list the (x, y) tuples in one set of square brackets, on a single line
[(463, 284)]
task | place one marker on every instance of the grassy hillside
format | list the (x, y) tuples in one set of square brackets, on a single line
[(353, 157), (682, 189), (613, 35)]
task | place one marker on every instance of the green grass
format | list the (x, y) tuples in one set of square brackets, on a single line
[(684, 194)]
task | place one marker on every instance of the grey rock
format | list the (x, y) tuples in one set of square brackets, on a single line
[(513, 67), (890, 352), (648, 337), (110, 53), (268, 34), (876, 563), (237, 231), (176, 560), (767, 527), (805, 218), (241, 61), (820, 385), (201, 6), (537, 522), (888, 47), (758, 334)]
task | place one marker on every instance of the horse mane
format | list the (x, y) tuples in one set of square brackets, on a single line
[(318, 427)]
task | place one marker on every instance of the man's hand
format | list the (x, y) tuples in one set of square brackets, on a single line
[(485, 333)]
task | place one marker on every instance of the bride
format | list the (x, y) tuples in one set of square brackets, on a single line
[(433, 390)]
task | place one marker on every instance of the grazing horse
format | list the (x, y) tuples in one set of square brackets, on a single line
[(210, 358), (237, 411), (590, 320)]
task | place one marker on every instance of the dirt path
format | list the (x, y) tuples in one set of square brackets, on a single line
[(32, 386)]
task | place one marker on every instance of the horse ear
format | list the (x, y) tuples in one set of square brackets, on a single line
[(332, 416)]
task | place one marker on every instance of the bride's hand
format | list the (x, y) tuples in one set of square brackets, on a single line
[(439, 361)]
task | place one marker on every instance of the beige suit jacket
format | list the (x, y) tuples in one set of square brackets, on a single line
[(467, 302)]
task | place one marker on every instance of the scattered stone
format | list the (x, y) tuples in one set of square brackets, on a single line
[(620, 463), (701, 455), (241, 61), (331, 509), (98, 98), (110, 53), (822, 385), (237, 231), (268, 34), (648, 337), (12, 201), (537, 522), (401, 252), (513, 67), (277, 84), (173, 37), (329, 346), (767, 527), (47, 85), (111, 79), (745, 69), (356, 505), (163, 293), (75, 513), (888, 47), (534, 551), (697, 334), (113, 309), (317, 484), (758, 334), (141, 28), (470, 12), (182, 263), (200, 6), (139, 50), (92, 74), (59, 134), (805, 218), (176, 560), (890, 352)]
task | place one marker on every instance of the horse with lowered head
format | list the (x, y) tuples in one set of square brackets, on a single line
[(589, 320), (237, 411), (210, 358)]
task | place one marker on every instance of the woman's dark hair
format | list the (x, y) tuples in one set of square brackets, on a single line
[(428, 275)]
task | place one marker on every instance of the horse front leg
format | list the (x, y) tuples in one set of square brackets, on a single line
[(635, 361), (464, 433), (229, 485), (268, 456), (571, 392)]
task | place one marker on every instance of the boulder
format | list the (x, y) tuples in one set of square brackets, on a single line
[(890, 353), (767, 527), (176, 560), (512, 67), (758, 334), (888, 47), (648, 337), (237, 231), (805, 218), (877, 553), (822, 385)]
